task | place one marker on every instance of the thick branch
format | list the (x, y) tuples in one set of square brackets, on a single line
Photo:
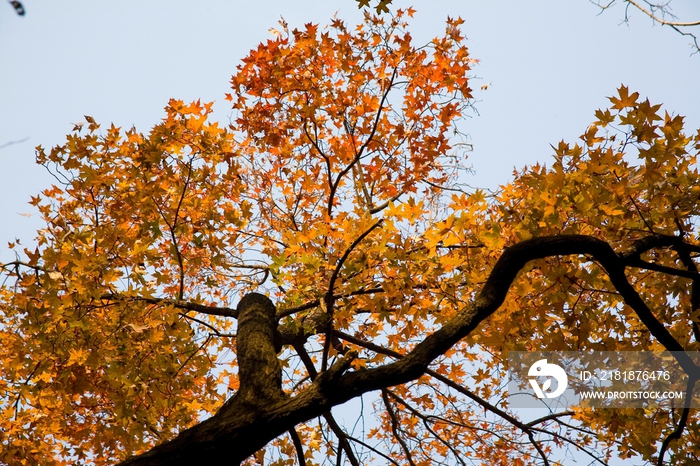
[(525, 428), (492, 296), (236, 434), (682, 423), (259, 370)]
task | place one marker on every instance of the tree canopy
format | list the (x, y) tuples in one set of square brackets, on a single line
[(203, 291)]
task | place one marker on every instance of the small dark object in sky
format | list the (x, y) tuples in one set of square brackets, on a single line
[(18, 7)]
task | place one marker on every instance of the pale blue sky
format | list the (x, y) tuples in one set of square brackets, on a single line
[(549, 64)]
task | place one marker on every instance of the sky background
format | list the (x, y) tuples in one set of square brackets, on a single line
[(549, 65)]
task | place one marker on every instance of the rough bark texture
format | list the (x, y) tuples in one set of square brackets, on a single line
[(258, 367), (260, 411), (260, 387)]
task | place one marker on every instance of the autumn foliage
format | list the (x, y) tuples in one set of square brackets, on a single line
[(337, 191)]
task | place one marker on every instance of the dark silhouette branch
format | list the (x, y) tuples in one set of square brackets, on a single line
[(297, 446), (395, 427), (238, 433), (687, 260), (525, 428), (329, 298), (317, 302), (176, 303), (427, 423), (343, 443), (682, 423), (360, 152)]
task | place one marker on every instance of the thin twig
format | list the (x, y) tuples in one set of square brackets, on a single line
[(329, 298), (395, 428), (18, 141)]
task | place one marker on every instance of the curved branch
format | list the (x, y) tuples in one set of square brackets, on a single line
[(566, 439), (677, 26), (339, 265), (17, 264), (358, 154), (657, 240), (344, 445), (682, 422), (395, 427), (661, 20), (525, 428), (239, 433), (687, 260), (642, 264), (426, 422), (492, 295), (317, 302), (215, 331), (377, 209), (329, 298), (328, 416), (371, 448)]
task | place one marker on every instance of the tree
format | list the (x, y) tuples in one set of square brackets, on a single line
[(332, 210)]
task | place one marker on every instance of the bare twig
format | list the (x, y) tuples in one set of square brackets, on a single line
[(661, 20), (658, 13), (18, 141)]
